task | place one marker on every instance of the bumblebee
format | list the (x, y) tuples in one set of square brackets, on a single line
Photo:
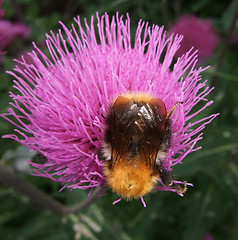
[(136, 141)]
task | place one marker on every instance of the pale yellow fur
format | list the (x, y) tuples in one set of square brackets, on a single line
[(140, 97)]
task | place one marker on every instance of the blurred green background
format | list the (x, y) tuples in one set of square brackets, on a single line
[(209, 209)]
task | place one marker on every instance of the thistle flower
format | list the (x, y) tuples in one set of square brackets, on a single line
[(11, 31), (234, 39), (63, 100), (1, 34), (208, 236), (198, 33)]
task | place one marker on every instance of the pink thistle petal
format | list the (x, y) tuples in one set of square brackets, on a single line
[(117, 201), (143, 201), (197, 33)]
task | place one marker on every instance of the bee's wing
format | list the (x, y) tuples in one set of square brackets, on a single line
[(155, 136), (120, 147)]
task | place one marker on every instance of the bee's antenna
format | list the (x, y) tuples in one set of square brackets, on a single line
[(173, 109)]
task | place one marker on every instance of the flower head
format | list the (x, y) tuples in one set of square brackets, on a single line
[(234, 39), (63, 100), (2, 11), (11, 31), (197, 33), (208, 236)]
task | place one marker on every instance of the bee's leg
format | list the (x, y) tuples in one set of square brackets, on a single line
[(167, 179), (179, 188), (173, 109)]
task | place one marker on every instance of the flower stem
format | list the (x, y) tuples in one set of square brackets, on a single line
[(10, 179), (225, 45)]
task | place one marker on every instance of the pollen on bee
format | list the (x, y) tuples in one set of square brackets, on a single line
[(130, 180)]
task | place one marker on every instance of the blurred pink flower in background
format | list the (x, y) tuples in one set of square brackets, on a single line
[(1, 35), (234, 39), (198, 33), (208, 236), (9, 32)]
